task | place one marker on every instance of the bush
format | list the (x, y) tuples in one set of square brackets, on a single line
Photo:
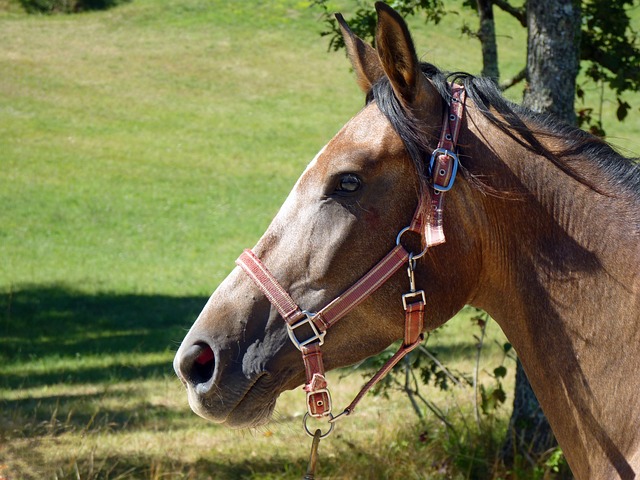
[(68, 6)]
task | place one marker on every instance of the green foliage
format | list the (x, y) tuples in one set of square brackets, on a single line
[(68, 6), (363, 23), (556, 461), (552, 466), (364, 20), (610, 47), (422, 372), (421, 361), (493, 396), (610, 44)]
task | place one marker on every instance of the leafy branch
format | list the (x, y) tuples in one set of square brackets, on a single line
[(609, 50)]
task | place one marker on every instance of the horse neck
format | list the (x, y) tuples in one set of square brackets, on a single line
[(562, 278)]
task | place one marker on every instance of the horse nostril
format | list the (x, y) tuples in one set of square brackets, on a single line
[(198, 364), (206, 356)]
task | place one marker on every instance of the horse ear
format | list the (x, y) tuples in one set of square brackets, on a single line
[(399, 60), (364, 58)]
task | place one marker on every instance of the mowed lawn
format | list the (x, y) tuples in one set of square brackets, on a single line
[(141, 149)]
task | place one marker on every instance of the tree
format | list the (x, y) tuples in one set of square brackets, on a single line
[(487, 36), (553, 57), (608, 45), (563, 36)]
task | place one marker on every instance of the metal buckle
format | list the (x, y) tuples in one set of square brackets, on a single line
[(330, 406), (317, 334), (419, 293), (454, 170)]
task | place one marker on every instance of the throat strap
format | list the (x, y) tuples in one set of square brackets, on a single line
[(413, 336)]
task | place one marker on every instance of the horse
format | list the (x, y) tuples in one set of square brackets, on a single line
[(542, 231)]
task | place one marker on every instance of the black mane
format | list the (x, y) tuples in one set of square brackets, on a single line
[(513, 120)]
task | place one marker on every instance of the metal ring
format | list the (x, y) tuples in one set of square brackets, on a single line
[(312, 434), (412, 262), (414, 257)]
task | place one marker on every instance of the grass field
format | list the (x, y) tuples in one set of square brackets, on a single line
[(141, 149)]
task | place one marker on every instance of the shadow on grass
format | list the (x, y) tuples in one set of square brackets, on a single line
[(55, 335), (363, 465), (59, 327), (135, 467), (105, 411), (72, 372)]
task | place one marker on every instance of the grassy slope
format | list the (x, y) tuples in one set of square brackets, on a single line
[(142, 149), (137, 136)]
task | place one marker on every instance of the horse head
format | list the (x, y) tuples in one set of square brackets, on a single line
[(342, 216)]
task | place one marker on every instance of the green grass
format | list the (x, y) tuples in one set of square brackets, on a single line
[(150, 142), (141, 149)]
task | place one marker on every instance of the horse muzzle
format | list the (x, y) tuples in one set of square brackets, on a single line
[(221, 393)]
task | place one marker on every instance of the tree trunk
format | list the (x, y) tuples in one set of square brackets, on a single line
[(553, 57), (553, 63), (529, 434), (487, 37)]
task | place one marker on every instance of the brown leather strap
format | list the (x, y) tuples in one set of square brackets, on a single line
[(336, 309), (414, 322), (363, 288), (318, 397), (314, 367), (413, 336), (263, 278), (444, 165)]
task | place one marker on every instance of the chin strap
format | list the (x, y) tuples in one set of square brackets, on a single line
[(308, 329)]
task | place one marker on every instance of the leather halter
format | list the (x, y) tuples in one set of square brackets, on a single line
[(442, 169)]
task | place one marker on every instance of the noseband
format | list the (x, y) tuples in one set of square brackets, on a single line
[(442, 169)]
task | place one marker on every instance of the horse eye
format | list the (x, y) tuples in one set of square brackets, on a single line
[(348, 183)]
